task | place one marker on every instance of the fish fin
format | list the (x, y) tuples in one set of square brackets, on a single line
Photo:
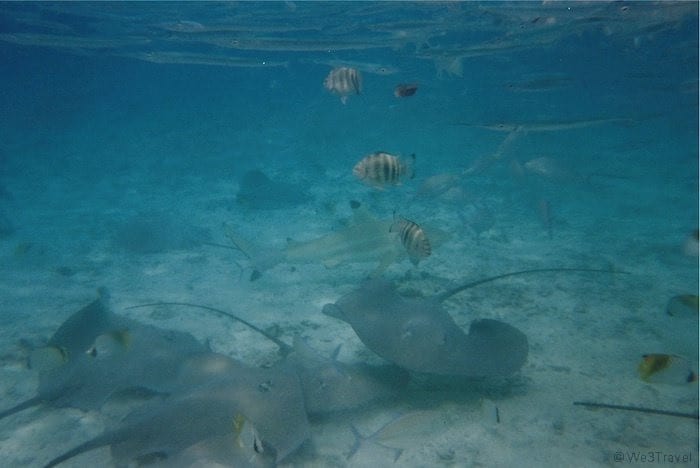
[(411, 167), (344, 99), (384, 263), (240, 243)]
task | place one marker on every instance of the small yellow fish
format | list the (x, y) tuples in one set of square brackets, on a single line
[(412, 237), (245, 434), (666, 368), (380, 169), (343, 81)]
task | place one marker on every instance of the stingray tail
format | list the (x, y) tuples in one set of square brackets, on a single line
[(82, 448), (22, 406), (638, 409), (458, 289), (284, 348)]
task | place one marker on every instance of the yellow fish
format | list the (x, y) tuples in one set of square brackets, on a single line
[(666, 368)]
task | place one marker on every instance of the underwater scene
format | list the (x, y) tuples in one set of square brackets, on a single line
[(349, 234)]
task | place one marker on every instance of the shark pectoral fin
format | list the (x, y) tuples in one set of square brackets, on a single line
[(240, 243), (384, 263)]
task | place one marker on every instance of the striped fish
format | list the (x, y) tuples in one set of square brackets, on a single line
[(412, 237), (381, 169), (343, 81)]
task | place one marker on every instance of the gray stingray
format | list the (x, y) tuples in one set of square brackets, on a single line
[(214, 392), (149, 362), (258, 191), (419, 335), (328, 385)]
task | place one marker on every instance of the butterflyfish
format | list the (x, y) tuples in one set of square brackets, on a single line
[(667, 369)]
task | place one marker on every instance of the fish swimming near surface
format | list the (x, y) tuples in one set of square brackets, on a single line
[(413, 238), (418, 335), (666, 368), (344, 81), (381, 169), (405, 90), (364, 67)]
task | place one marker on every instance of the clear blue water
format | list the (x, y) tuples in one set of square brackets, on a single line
[(117, 113)]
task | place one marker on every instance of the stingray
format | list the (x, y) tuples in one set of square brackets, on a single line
[(215, 392), (419, 335), (258, 191), (328, 385), (147, 363)]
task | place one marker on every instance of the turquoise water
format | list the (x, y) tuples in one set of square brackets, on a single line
[(565, 135)]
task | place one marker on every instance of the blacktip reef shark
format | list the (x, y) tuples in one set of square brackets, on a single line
[(419, 335), (364, 239)]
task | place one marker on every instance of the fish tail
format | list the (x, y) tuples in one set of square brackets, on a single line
[(22, 406)]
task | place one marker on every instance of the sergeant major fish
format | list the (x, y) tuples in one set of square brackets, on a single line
[(412, 237), (343, 81), (380, 169)]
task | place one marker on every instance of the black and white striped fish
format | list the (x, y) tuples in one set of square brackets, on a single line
[(381, 169), (412, 237), (343, 81)]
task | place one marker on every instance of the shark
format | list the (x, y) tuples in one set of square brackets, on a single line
[(365, 239)]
